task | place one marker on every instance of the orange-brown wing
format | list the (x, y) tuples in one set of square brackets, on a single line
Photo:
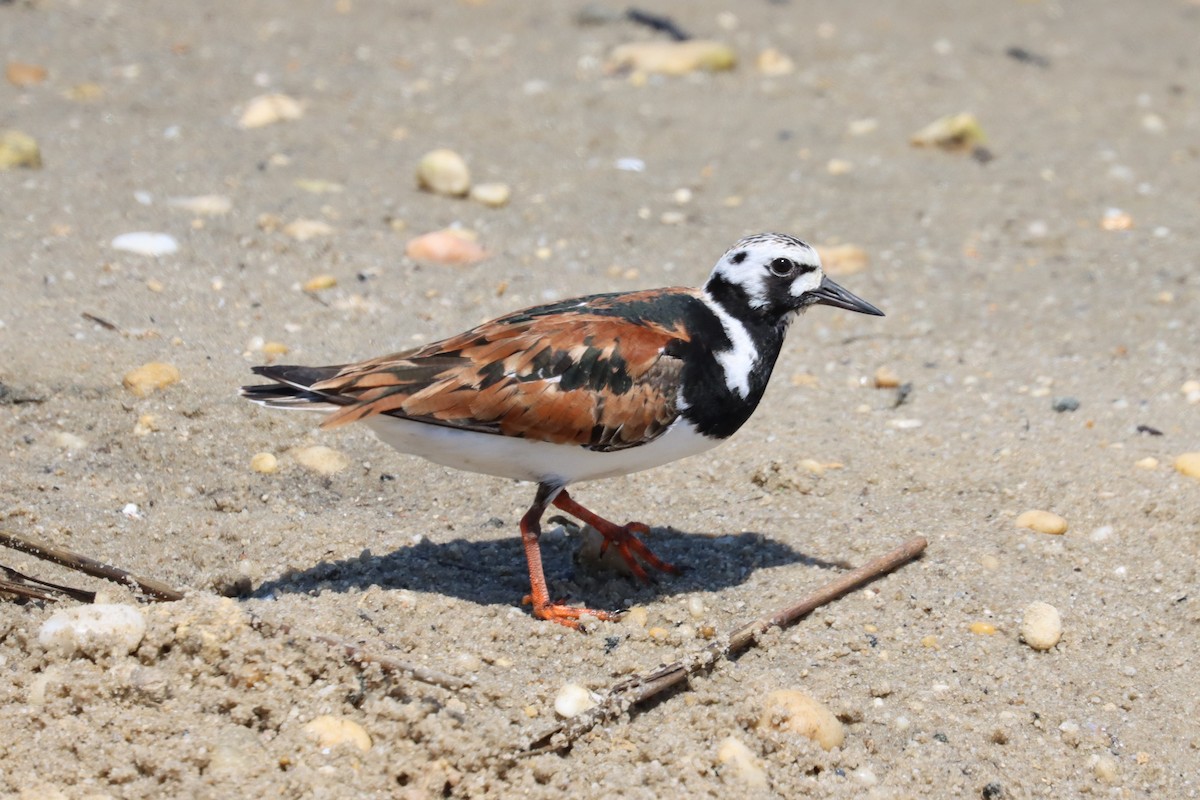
[(576, 377)]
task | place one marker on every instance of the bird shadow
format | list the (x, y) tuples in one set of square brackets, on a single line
[(494, 572)]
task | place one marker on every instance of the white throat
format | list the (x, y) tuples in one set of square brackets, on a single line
[(742, 355)]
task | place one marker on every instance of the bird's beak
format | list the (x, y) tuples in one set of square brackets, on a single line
[(830, 294)]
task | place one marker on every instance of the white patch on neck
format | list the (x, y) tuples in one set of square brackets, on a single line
[(752, 281), (740, 358)]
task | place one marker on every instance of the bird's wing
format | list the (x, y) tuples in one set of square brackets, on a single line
[(590, 375)]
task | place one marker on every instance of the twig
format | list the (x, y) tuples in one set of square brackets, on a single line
[(24, 585), (156, 590), (639, 688), (415, 671), (358, 655), (103, 323)]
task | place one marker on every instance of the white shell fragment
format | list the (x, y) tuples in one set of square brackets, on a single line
[(146, 243)]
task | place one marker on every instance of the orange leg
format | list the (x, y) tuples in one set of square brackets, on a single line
[(531, 529), (623, 537)]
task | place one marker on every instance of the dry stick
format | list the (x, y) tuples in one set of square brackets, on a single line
[(24, 585), (154, 589), (639, 688), (423, 674)]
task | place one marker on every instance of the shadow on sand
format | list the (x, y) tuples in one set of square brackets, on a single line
[(493, 572)]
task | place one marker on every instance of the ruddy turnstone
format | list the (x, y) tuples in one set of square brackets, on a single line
[(582, 389)]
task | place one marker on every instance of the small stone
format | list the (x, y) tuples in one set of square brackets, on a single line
[(1115, 219), (304, 229), (861, 127), (146, 243), (742, 765), (1191, 390), (448, 246), (1061, 404), (1149, 462), (696, 608), (93, 630), (794, 711), (264, 463), (980, 628), (672, 58), (572, 699), (774, 64), (19, 150), (638, 617), (492, 195), (145, 425), (84, 92), (319, 283), (886, 378), (329, 731), (69, 441), (20, 74), (273, 350), (1041, 627), (1188, 464), (1105, 769), (1042, 522), (320, 459), (318, 186), (204, 205), (843, 259), (267, 109), (443, 172), (953, 132), (152, 377), (839, 166)]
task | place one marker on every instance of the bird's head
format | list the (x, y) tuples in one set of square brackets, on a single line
[(775, 275)]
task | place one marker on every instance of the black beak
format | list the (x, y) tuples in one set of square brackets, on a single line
[(830, 294)]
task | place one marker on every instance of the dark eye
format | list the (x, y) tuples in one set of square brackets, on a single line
[(782, 267)]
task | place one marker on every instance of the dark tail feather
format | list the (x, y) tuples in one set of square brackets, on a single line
[(291, 387)]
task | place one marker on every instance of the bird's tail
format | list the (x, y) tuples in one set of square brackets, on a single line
[(292, 388)]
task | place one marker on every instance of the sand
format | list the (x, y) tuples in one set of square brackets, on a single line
[(1055, 268)]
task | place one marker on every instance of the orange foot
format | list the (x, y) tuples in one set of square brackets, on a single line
[(564, 614), (623, 537)]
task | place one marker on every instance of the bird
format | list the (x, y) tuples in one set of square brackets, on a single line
[(582, 389)]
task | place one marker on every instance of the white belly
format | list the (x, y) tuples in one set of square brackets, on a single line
[(528, 460)]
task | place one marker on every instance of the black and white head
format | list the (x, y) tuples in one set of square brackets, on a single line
[(773, 276)]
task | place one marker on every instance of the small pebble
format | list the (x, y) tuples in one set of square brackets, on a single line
[(861, 127), (886, 378), (330, 731), (672, 58), (1191, 390), (1149, 462), (638, 617), (1061, 404), (267, 109), (448, 246), (797, 712), (320, 459), (492, 195), (319, 283), (265, 463), (981, 628), (839, 166), (696, 608), (93, 630), (773, 63), (304, 229), (19, 150), (443, 172), (20, 74), (1041, 627), (146, 243), (1115, 219), (149, 378), (69, 441), (1188, 464), (205, 205), (1105, 769), (572, 699), (843, 259), (1042, 522), (742, 764), (318, 186), (145, 425), (954, 132), (273, 350)]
